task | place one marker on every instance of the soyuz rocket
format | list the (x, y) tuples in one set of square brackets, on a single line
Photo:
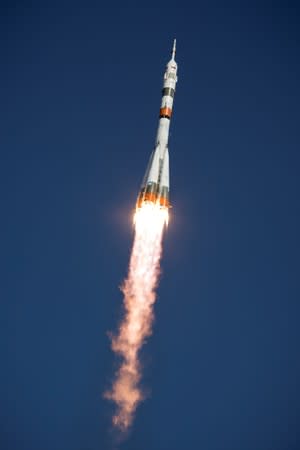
[(156, 184)]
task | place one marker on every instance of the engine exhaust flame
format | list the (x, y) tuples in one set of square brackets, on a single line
[(139, 297)]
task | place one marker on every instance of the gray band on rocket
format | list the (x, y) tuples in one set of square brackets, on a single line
[(168, 91), (151, 188), (164, 192)]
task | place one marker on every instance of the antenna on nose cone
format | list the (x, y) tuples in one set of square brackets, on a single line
[(174, 49)]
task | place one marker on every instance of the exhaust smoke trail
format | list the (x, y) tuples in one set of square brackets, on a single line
[(139, 297)]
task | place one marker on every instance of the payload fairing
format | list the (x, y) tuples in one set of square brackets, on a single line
[(156, 184)]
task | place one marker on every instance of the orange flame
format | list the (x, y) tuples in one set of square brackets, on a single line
[(139, 297)]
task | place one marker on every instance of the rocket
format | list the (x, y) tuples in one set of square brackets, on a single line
[(156, 183)]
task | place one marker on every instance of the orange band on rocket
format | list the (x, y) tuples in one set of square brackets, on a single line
[(165, 112)]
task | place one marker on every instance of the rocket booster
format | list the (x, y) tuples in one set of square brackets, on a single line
[(156, 183)]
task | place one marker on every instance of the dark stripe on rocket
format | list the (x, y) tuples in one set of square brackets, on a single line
[(168, 91)]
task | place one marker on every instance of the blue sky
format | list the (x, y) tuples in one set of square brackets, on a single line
[(81, 86)]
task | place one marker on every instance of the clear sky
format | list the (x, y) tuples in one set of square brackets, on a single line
[(80, 95)]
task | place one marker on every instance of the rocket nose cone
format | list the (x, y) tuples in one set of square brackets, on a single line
[(172, 66)]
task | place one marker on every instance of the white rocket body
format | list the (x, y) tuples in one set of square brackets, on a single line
[(156, 183)]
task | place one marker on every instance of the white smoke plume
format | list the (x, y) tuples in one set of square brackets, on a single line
[(139, 297)]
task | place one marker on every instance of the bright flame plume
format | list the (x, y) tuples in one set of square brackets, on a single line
[(139, 297)]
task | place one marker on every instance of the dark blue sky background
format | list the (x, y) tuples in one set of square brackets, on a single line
[(80, 94)]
